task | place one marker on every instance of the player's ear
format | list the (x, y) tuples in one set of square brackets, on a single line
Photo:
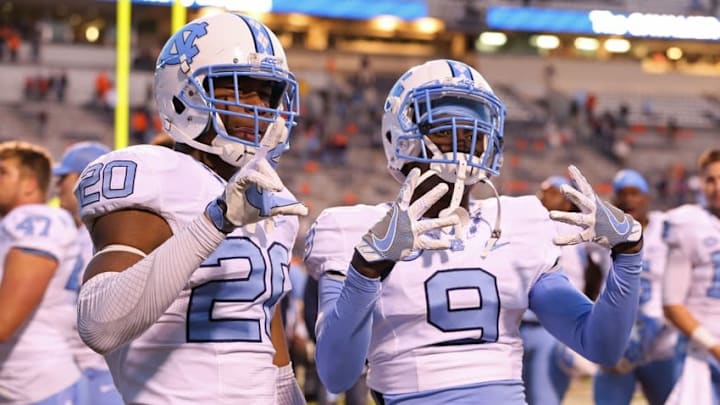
[(28, 185)]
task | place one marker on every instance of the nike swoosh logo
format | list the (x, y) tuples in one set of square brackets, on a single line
[(620, 227), (386, 241), (499, 245)]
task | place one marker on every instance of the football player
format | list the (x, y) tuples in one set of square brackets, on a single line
[(432, 295), (38, 250), (649, 357), (193, 244), (95, 371), (548, 365), (691, 287)]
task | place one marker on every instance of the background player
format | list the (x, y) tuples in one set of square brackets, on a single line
[(101, 389), (649, 357), (190, 266), (38, 250), (545, 372), (442, 326), (691, 288)]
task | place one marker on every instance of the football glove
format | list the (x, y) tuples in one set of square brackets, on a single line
[(250, 195), (402, 230), (601, 222)]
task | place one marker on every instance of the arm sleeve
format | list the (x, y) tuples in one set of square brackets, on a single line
[(344, 328), (598, 332), (288, 390), (114, 308)]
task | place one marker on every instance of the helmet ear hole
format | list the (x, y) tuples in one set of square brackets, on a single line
[(178, 105), (388, 136)]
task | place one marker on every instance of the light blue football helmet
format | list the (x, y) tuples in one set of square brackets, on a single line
[(448, 97), (223, 46)]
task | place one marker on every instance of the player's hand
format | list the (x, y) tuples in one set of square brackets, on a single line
[(601, 222), (250, 195), (401, 230)]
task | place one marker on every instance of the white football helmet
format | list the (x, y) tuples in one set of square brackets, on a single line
[(224, 46), (444, 96)]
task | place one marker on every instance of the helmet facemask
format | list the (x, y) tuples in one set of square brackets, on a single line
[(282, 107), (470, 118)]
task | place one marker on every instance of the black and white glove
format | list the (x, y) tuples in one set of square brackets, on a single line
[(602, 222), (250, 195), (402, 230)]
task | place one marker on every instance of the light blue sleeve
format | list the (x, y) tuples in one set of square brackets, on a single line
[(598, 332), (343, 328)]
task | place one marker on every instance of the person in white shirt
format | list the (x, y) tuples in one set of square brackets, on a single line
[(649, 359), (430, 297), (193, 244), (691, 287), (547, 364), (76, 158), (38, 249)]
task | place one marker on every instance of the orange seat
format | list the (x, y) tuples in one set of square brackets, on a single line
[(311, 166), (349, 198)]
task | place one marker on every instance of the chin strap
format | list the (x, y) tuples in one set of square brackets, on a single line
[(496, 232)]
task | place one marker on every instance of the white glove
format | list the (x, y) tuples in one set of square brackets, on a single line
[(249, 195), (602, 222), (401, 230)]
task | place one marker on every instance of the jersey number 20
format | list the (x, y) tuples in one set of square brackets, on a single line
[(204, 326)]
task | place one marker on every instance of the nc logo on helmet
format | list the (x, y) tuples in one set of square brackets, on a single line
[(183, 43)]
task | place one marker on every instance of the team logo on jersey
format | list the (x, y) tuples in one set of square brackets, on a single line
[(182, 47), (710, 242)]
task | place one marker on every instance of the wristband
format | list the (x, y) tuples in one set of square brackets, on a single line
[(215, 210), (704, 338)]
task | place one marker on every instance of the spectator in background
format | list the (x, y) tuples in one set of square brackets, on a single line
[(139, 125), (102, 86), (590, 104), (35, 38), (61, 83), (672, 130), (624, 116), (3, 41), (13, 43), (42, 122)]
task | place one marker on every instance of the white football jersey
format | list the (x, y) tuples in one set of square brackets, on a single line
[(36, 361), (446, 318), (212, 345), (654, 258), (697, 232), (84, 356)]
